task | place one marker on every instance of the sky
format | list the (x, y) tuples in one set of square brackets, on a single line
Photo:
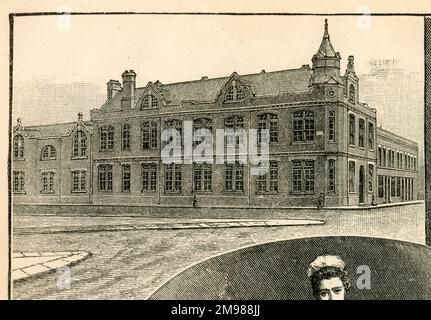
[(62, 63)]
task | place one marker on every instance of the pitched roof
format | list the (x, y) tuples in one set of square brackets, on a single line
[(206, 90), (53, 130)]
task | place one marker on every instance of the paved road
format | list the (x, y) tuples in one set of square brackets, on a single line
[(132, 264)]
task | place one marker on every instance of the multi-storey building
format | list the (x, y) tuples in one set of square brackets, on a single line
[(324, 145)]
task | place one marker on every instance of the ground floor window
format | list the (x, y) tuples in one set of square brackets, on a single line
[(234, 177), (370, 177), (105, 177), (331, 175), (79, 181), (202, 177), (47, 182), (303, 176), (125, 168), (351, 176), (172, 178), (398, 187), (268, 182), (18, 181), (149, 177), (381, 186)]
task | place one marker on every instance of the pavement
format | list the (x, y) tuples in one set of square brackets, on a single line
[(30, 264), (171, 224)]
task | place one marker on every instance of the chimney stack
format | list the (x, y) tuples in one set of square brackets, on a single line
[(129, 86), (113, 86)]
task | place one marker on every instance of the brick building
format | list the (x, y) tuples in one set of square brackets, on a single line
[(323, 143)]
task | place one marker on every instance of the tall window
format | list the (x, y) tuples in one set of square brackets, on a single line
[(149, 177), (149, 135), (18, 182), (79, 144), (331, 126), (370, 136), (106, 138), (48, 182), (48, 153), (384, 157), (18, 147), (381, 181), (201, 123), (78, 181), (178, 126), (234, 123), (234, 177), (361, 133), (268, 121), (389, 158), (303, 176), (125, 135), (352, 127), (105, 177), (331, 175), (303, 126), (393, 158), (379, 156), (173, 178), (352, 93), (234, 93), (269, 182), (202, 177), (351, 176), (125, 186), (393, 187), (370, 177), (150, 101), (398, 187)]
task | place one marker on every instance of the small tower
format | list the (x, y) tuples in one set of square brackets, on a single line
[(351, 82), (326, 62)]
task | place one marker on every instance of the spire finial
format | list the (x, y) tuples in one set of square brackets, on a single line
[(326, 33)]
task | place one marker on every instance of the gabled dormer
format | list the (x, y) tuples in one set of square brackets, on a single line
[(234, 90), (151, 97)]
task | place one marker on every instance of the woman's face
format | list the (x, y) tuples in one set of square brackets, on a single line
[(331, 289)]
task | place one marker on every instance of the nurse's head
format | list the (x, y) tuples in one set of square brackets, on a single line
[(329, 278)]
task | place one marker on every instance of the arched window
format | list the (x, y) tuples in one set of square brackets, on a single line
[(150, 101), (267, 121), (48, 153), (18, 147), (234, 93), (352, 127), (352, 93), (125, 136), (79, 144)]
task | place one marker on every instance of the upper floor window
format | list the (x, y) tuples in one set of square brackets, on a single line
[(379, 156), (303, 176), (79, 144), (234, 93), (331, 126), (48, 153), (370, 136), (233, 123), (331, 175), (352, 127), (201, 123), (352, 93), (150, 101), (105, 177), (106, 138), (18, 147), (149, 135), (234, 177), (303, 126), (125, 136), (177, 125), (18, 182), (361, 133), (48, 182), (268, 121)]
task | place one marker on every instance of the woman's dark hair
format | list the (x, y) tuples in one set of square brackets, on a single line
[(328, 273)]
